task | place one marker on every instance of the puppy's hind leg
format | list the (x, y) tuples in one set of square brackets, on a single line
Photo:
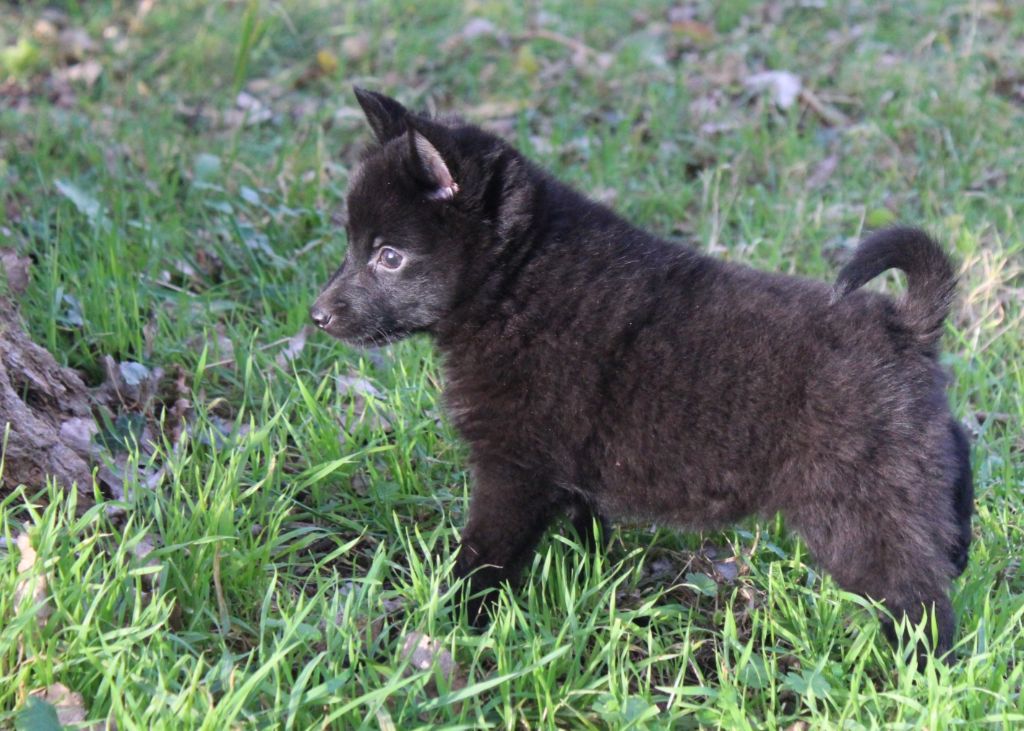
[(938, 636), (897, 560)]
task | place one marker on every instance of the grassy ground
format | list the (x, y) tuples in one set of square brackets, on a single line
[(295, 538)]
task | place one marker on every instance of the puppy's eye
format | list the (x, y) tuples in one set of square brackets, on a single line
[(389, 258)]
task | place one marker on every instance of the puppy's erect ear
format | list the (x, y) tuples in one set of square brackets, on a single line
[(426, 142), (387, 117)]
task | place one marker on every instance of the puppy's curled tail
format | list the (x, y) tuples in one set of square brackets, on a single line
[(930, 277)]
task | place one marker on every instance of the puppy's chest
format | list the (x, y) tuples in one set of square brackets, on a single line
[(510, 405), (498, 414)]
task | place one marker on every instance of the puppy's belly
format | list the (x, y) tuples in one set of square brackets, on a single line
[(684, 503)]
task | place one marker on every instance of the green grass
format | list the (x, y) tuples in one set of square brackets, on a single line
[(294, 554)]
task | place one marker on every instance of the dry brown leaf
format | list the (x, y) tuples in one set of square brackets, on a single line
[(31, 586), (58, 17), (78, 432), (45, 31), (605, 195), (249, 109), (357, 386), (496, 108), (220, 350), (181, 408), (69, 705), (784, 86), (143, 9), (584, 58), (142, 550), (828, 114), (360, 484), (293, 348), (359, 392), (357, 47), (823, 172), (74, 44), (384, 720), (727, 571), (86, 72), (426, 653), (474, 28), (128, 383)]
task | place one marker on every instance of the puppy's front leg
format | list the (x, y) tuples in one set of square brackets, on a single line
[(509, 510)]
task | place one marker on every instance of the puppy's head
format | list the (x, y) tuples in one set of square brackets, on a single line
[(413, 216)]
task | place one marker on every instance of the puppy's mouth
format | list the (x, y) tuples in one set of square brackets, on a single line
[(374, 340), (365, 339)]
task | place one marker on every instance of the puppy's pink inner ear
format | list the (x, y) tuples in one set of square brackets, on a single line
[(436, 170)]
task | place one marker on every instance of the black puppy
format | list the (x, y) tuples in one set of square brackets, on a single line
[(598, 371)]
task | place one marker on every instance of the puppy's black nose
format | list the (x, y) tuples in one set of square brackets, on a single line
[(322, 318)]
